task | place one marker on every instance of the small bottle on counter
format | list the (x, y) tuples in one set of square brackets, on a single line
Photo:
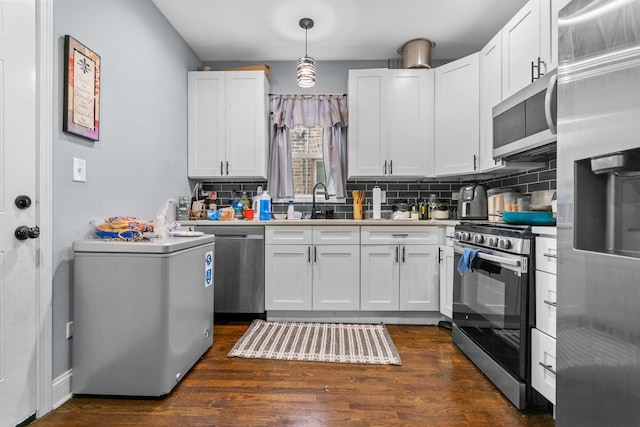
[(414, 211), (245, 200), (290, 210)]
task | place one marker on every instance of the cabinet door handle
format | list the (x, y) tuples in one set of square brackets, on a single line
[(400, 235), (551, 303), (315, 254), (548, 368), (439, 256), (550, 255), (475, 160), (385, 167), (403, 249), (227, 167), (532, 67), (221, 168), (540, 64), (309, 254), (390, 167), (538, 68), (397, 253)]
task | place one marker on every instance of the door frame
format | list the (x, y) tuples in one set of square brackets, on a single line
[(44, 196)]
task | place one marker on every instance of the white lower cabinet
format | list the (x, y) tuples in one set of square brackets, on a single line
[(543, 364), (345, 268), (319, 271), (543, 335), (447, 270), (288, 276), (401, 275), (380, 274), (336, 277)]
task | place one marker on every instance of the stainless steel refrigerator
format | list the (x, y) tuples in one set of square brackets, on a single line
[(598, 338)]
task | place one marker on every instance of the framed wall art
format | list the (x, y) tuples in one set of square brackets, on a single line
[(81, 90)]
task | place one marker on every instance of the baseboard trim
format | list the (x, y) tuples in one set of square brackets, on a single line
[(61, 389)]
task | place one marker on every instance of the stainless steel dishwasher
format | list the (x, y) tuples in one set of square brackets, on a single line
[(239, 261)]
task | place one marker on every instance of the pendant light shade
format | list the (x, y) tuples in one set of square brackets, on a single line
[(306, 71)]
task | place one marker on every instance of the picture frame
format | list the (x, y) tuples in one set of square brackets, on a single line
[(81, 111)]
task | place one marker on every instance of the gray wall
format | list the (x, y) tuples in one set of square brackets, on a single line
[(141, 158)]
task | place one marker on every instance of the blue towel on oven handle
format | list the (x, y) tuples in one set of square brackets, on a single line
[(466, 260)]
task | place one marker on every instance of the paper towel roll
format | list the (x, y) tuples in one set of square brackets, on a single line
[(377, 200)]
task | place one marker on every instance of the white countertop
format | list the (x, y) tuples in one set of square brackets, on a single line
[(303, 222), (544, 231)]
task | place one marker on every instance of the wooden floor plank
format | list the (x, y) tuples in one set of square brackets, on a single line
[(435, 386)]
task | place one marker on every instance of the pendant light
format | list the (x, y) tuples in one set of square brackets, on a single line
[(306, 65)]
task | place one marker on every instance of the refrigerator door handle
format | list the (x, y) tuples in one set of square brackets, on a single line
[(548, 97)]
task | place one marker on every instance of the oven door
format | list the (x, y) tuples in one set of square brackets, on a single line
[(490, 306)]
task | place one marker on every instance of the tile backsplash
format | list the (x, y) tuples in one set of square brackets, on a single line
[(396, 191)]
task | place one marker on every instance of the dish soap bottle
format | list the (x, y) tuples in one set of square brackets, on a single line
[(265, 206), (245, 200), (290, 210)]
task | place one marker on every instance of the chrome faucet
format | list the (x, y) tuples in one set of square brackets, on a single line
[(314, 214)]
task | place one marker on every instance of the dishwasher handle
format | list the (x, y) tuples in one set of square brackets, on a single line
[(240, 236)]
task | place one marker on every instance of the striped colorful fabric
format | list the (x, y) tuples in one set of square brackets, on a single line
[(317, 342)]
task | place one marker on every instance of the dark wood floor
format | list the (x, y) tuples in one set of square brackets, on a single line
[(435, 386)]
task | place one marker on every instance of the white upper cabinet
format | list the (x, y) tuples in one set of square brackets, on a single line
[(457, 116), (390, 123), (490, 95), (411, 115), (228, 124), (526, 46), (368, 122)]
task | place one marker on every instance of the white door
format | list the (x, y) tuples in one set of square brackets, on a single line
[(288, 275), (447, 271), (380, 277), (17, 177), (520, 48), (490, 95), (457, 122), (419, 278), (336, 277), (246, 124), (411, 116), (368, 122), (206, 132)]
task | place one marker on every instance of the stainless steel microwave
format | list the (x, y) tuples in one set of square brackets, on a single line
[(526, 121)]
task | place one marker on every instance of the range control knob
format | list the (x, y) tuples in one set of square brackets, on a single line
[(465, 236), (478, 239), (504, 244), (457, 235), (493, 241)]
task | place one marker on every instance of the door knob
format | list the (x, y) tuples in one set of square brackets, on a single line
[(23, 202), (23, 232)]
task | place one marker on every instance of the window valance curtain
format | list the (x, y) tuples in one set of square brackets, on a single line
[(327, 111)]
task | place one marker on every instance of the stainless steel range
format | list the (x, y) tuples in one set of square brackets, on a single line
[(491, 305)]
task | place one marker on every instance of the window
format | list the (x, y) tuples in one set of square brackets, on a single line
[(307, 162)]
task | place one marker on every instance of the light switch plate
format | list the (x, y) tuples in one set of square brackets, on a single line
[(79, 170)]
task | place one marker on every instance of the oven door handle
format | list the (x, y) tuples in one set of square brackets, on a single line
[(494, 258), (499, 259)]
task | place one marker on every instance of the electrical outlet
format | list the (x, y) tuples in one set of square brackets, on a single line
[(69, 329)]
